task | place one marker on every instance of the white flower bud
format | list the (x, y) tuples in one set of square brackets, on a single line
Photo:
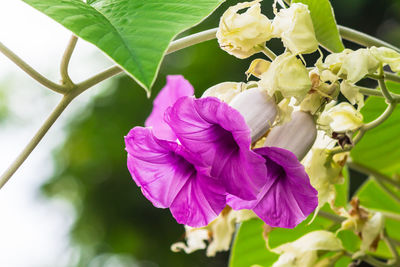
[(324, 172), (225, 91), (359, 63), (221, 230), (371, 230), (303, 251), (294, 26), (258, 109), (288, 75), (351, 65), (387, 56), (297, 135), (242, 34), (342, 118)]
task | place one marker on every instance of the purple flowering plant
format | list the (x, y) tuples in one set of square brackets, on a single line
[(272, 149), (194, 157)]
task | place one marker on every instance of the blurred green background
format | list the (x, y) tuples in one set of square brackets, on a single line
[(115, 224)]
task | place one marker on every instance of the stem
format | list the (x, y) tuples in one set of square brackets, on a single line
[(392, 247), (192, 40), (392, 77), (363, 169), (66, 80), (375, 92), (35, 140), (268, 52), (386, 189), (331, 216), (83, 86), (384, 116), (363, 38), (383, 87), (30, 71), (70, 94)]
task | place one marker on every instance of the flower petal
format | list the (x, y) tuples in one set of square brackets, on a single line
[(287, 198), (199, 201), (220, 137), (176, 87), (168, 178)]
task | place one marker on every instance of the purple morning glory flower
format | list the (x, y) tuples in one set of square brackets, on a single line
[(176, 87), (287, 197), (220, 137), (168, 177), (212, 163)]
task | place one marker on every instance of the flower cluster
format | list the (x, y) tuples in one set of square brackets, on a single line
[(194, 157), (245, 34)]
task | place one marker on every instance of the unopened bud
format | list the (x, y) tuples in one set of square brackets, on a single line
[(258, 109), (242, 34), (295, 27), (225, 91), (297, 135), (287, 75)]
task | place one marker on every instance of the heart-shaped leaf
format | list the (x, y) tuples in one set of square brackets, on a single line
[(134, 33)]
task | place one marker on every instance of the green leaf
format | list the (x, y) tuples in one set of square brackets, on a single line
[(379, 148), (133, 33), (249, 247), (372, 196), (324, 23)]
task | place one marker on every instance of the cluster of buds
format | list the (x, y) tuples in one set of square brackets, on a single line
[(253, 149), (245, 34)]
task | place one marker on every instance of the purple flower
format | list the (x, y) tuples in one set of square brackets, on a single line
[(168, 178), (287, 197), (220, 137), (176, 87), (194, 156)]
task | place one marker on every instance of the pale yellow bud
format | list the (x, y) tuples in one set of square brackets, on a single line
[(357, 64), (218, 233), (257, 67), (387, 56), (303, 251), (371, 231), (294, 26), (324, 172), (242, 35), (287, 75), (342, 118), (225, 91)]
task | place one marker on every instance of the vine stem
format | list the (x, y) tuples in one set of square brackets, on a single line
[(375, 92), (363, 169), (363, 38), (71, 92), (66, 80), (36, 139), (30, 71), (268, 52)]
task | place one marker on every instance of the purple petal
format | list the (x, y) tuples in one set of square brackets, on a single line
[(287, 197), (168, 178), (175, 88), (220, 137)]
